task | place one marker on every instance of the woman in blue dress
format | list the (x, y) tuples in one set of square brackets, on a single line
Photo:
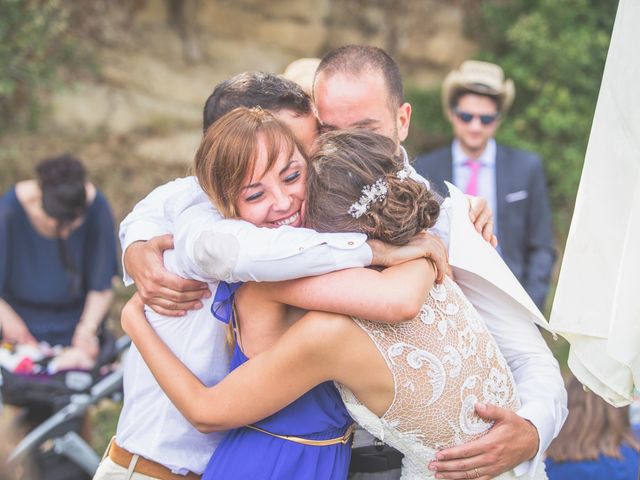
[(318, 431), (57, 258)]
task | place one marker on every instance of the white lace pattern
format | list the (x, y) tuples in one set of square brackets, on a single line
[(443, 362)]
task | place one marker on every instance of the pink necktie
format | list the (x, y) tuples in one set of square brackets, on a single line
[(472, 186)]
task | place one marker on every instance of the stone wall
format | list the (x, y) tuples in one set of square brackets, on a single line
[(425, 36), (161, 58)]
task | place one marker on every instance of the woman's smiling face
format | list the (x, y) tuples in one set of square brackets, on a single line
[(275, 197)]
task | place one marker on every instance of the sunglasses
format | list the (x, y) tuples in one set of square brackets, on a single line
[(467, 117)]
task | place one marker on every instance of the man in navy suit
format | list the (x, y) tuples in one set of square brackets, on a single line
[(475, 97)]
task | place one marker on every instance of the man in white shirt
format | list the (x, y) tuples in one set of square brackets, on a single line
[(153, 439), (361, 87)]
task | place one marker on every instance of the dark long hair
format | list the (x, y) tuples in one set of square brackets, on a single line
[(64, 198)]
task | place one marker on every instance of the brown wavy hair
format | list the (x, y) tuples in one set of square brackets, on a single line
[(593, 428), (229, 150), (345, 162)]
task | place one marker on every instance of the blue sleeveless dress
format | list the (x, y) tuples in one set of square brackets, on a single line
[(248, 454)]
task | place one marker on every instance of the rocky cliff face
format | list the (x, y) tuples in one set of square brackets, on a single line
[(137, 123), (161, 59)]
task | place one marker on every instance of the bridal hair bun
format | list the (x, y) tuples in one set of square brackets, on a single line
[(357, 183), (408, 209)]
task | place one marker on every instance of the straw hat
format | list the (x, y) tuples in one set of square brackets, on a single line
[(479, 77), (302, 72)]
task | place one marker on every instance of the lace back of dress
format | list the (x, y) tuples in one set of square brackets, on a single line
[(443, 362)]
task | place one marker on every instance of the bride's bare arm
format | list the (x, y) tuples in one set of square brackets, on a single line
[(395, 294), (302, 359)]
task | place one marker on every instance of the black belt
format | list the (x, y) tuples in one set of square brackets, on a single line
[(375, 458)]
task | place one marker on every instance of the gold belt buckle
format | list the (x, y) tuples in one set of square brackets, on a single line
[(305, 441)]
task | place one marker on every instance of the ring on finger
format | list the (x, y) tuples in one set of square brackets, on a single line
[(477, 472)]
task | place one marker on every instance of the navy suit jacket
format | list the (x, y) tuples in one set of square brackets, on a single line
[(523, 213)]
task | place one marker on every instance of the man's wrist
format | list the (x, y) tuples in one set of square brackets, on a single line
[(528, 465), (130, 250), (546, 417), (536, 435)]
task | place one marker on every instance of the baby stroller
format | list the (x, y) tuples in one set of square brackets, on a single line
[(54, 450)]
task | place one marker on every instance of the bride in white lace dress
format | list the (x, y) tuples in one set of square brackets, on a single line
[(414, 384), (444, 361)]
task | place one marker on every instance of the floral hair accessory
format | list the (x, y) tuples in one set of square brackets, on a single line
[(404, 173), (375, 192)]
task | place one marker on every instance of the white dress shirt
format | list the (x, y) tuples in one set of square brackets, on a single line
[(204, 245), (511, 317)]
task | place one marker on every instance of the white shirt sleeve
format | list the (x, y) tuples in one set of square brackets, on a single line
[(234, 250), (151, 216), (211, 248), (536, 372)]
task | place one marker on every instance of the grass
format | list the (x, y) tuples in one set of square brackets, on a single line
[(104, 419)]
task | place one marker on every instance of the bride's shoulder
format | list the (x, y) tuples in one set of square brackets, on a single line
[(325, 330)]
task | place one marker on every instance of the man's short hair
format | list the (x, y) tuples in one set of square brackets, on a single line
[(355, 59), (255, 89)]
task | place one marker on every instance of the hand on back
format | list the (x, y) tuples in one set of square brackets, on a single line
[(165, 292), (511, 441)]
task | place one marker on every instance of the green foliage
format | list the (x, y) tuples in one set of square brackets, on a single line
[(555, 53), (104, 419), (36, 44), (429, 128)]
